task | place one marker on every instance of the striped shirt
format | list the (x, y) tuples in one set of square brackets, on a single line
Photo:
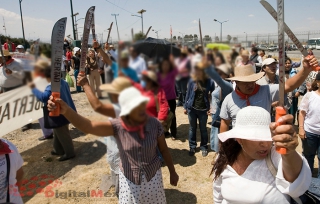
[(138, 156)]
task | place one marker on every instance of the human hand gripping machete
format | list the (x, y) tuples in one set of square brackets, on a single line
[(290, 34), (88, 23), (57, 39)]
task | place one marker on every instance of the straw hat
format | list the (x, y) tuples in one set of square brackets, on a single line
[(117, 85), (183, 51), (6, 53), (224, 68), (246, 73), (42, 63), (150, 75), (252, 123), (129, 99)]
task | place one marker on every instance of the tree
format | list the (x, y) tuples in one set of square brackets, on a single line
[(235, 39), (138, 36), (216, 39), (179, 38), (229, 38), (207, 38), (174, 37), (195, 36), (186, 36)]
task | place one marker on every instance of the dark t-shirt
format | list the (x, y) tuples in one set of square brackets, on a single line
[(76, 60), (199, 102)]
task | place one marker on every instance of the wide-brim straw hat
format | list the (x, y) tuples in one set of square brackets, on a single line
[(252, 123), (246, 73), (130, 99), (42, 63), (117, 85), (151, 75), (224, 68), (6, 53)]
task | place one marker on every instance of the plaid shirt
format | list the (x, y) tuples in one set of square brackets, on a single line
[(138, 156)]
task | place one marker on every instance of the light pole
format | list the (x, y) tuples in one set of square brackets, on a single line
[(77, 27), (220, 27), (156, 31), (115, 16), (141, 16), (246, 39), (24, 39), (74, 32)]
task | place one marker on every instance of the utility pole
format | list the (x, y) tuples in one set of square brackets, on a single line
[(220, 27), (74, 32), (141, 16), (4, 26), (115, 16), (24, 39)]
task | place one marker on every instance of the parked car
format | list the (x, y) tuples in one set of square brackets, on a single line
[(273, 48), (293, 47), (262, 47)]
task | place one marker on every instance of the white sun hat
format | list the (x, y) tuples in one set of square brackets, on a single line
[(129, 99), (252, 123)]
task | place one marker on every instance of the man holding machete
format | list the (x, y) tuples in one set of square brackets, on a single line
[(247, 92)]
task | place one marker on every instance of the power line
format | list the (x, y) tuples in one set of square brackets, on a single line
[(130, 25), (119, 7)]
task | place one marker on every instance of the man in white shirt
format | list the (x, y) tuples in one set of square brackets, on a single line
[(136, 62)]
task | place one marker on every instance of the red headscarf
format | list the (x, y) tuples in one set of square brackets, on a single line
[(246, 96)]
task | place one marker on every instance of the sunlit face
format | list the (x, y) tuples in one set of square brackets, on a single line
[(261, 54), (218, 61), (124, 62), (139, 114), (245, 58), (255, 150), (246, 87), (271, 68), (288, 65), (20, 50), (91, 54), (199, 74), (165, 66), (133, 53)]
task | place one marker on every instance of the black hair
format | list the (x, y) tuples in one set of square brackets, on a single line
[(221, 57), (263, 51), (314, 85), (163, 60), (47, 72), (287, 58), (190, 50), (254, 49)]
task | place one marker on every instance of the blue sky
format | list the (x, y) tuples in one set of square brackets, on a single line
[(244, 16)]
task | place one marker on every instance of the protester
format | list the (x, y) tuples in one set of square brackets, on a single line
[(112, 110), (234, 54), (62, 142), (246, 60), (210, 56), (247, 92), (63, 67), (262, 55), (157, 105), (183, 65), (65, 45), (92, 65), (10, 160), (136, 62), (68, 59), (166, 79), (75, 64), (39, 78), (256, 59), (248, 168), (107, 68), (309, 124), (238, 58), (20, 49), (222, 89), (219, 60), (11, 75), (197, 57), (197, 107), (138, 137), (33, 48), (10, 46)]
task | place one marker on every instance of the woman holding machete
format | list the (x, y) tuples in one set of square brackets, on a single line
[(138, 137)]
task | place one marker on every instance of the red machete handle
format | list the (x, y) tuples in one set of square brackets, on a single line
[(280, 111), (315, 68), (55, 112)]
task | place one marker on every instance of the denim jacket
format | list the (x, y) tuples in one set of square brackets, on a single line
[(191, 93)]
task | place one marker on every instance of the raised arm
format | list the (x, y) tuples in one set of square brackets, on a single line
[(104, 109), (105, 57), (99, 128), (213, 74), (295, 81)]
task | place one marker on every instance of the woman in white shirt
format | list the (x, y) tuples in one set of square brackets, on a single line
[(309, 120), (241, 173)]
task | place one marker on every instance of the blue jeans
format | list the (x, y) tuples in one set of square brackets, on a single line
[(311, 147), (76, 72), (214, 140), (194, 116)]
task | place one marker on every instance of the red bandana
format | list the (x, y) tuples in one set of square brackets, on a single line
[(246, 96), (139, 129), (9, 61), (5, 148)]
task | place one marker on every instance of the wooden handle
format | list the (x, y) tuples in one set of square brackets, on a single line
[(55, 112), (280, 111)]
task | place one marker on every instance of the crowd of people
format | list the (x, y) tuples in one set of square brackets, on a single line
[(238, 90)]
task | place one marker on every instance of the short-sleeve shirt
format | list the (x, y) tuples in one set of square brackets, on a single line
[(138, 156), (264, 98), (310, 104), (132, 74), (76, 60), (16, 163)]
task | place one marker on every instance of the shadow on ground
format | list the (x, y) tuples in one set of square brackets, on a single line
[(177, 197)]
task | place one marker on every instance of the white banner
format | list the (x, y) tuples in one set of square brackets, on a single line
[(26, 60), (18, 108)]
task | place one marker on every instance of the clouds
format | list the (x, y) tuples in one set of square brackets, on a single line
[(194, 22), (250, 15)]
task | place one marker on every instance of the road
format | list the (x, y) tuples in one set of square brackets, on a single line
[(295, 54)]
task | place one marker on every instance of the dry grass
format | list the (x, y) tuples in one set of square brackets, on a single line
[(88, 169)]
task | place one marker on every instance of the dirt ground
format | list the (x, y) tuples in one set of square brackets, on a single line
[(47, 180)]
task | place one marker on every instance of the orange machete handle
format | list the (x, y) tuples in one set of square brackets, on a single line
[(55, 112), (280, 111), (315, 68)]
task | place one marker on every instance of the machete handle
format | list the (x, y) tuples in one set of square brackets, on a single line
[(315, 68), (55, 112), (280, 111), (82, 73)]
